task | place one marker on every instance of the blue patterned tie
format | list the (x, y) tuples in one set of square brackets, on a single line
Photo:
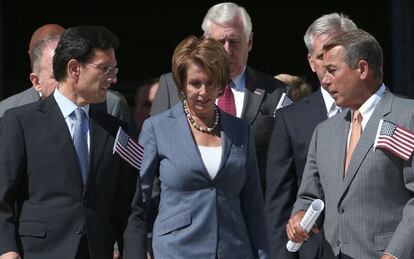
[(80, 140)]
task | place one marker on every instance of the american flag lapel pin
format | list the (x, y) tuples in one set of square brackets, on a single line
[(259, 92)]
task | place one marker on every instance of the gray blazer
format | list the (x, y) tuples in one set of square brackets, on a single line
[(27, 96), (371, 210), (200, 217), (262, 93)]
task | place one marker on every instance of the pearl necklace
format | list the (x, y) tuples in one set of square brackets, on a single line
[(195, 125)]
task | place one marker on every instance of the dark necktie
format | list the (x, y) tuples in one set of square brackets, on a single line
[(80, 140), (226, 101)]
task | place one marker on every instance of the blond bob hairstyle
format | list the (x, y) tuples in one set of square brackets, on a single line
[(207, 53)]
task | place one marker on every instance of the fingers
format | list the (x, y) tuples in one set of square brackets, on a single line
[(294, 231)]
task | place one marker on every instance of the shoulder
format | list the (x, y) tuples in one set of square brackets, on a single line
[(233, 124), (305, 104), (22, 98), (106, 121), (264, 81)]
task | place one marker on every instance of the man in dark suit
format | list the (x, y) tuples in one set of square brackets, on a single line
[(57, 163), (290, 141), (41, 49), (256, 94)]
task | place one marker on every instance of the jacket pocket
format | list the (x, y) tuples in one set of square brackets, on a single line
[(382, 240), (32, 229), (175, 222)]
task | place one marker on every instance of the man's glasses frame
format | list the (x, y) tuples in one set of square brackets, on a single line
[(105, 69)]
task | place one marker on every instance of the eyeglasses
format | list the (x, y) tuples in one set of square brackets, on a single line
[(105, 69)]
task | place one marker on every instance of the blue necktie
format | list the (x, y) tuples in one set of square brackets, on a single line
[(80, 140)]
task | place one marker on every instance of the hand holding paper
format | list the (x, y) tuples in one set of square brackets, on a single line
[(307, 222)]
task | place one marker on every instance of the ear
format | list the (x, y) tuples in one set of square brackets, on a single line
[(73, 69), (34, 78), (310, 60), (250, 42), (363, 69)]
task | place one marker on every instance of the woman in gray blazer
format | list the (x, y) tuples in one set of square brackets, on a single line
[(211, 204)]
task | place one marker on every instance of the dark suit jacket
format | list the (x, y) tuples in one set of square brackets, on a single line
[(40, 172), (286, 160), (262, 94)]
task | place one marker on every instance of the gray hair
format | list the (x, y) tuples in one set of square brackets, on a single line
[(38, 49), (331, 24), (359, 45), (224, 12)]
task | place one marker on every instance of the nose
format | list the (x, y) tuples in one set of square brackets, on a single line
[(113, 79), (326, 80), (226, 46), (202, 90)]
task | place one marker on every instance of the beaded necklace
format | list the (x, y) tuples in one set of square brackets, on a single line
[(195, 125)]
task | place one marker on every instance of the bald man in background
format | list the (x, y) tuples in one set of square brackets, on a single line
[(41, 50)]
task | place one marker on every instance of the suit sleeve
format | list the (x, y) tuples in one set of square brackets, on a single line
[(162, 97), (402, 244), (310, 188), (12, 168), (149, 167), (282, 186), (122, 111), (252, 204)]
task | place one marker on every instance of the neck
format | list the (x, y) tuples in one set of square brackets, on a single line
[(205, 128), (69, 92)]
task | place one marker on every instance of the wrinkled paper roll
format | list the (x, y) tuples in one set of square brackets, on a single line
[(307, 222)]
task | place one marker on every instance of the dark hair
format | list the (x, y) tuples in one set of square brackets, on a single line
[(79, 43), (359, 45), (207, 53)]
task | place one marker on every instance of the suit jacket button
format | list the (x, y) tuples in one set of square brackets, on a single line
[(338, 243), (341, 210)]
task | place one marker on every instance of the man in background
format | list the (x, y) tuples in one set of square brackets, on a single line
[(41, 50), (254, 94), (56, 154), (144, 97), (291, 137)]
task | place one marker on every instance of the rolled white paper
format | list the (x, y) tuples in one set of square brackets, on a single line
[(307, 222)]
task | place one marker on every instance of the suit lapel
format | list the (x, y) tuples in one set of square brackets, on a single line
[(253, 96), (317, 104), (367, 139), (340, 137), (98, 141), (185, 136), (62, 140), (225, 143)]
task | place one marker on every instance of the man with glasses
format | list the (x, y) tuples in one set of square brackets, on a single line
[(41, 49), (56, 161)]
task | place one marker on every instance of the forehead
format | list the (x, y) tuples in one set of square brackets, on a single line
[(319, 41), (334, 55), (195, 69), (232, 28), (107, 55)]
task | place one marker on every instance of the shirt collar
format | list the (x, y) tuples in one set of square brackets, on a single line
[(329, 101), (240, 81), (67, 106), (368, 107)]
